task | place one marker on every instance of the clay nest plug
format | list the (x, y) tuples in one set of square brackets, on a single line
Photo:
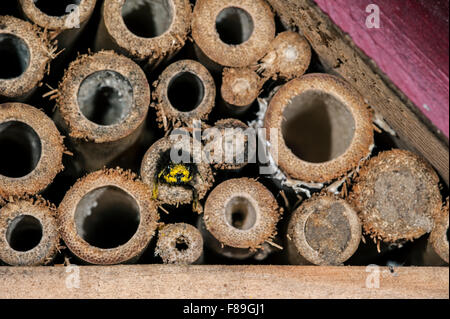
[(324, 230), (397, 196), (179, 244)]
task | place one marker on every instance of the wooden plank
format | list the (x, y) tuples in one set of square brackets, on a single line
[(340, 56), (165, 281), (410, 46)]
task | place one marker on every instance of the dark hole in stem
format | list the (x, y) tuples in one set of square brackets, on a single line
[(317, 127), (105, 97), (56, 8), (21, 149), (186, 91), (24, 233), (234, 25), (181, 244), (148, 18), (14, 56), (240, 213), (447, 234), (107, 217)]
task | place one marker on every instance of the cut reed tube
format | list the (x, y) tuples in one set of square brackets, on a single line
[(103, 103), (179, 244), (108, 217), (155, 163), (324, 128), (233, 33), (242, 213), (397, 196), (439, 235), (288, 57), (184, 92), (64, 19), (24, 56), (149, 31), (240, 88), (324, 230), (28, 233), (230, 151), (31, 148)]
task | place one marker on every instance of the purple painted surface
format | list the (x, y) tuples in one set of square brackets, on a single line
[(411, 47)]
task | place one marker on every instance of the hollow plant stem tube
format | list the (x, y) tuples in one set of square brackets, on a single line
[(148, 31), (24, 56), (108, 217), (184, 92), (28, 233), (102, 106), (232, 33), (64, 19), (32, 150), (324, 128)]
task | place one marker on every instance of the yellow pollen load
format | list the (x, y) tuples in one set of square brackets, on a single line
[(176, 171)]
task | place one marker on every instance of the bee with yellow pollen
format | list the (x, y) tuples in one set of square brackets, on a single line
[(176, 174)]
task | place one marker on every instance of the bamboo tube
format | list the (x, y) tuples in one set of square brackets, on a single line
[(25, 54), (324, 230), (103, 102), (324, 128), (184, 92), (232, 146), (439, 236), (242, 213), (28, 233), (64, 19), (397, 196), (108, 217), (233, 33), (32, 150), (158, 157), (179, 244), (148, 31)]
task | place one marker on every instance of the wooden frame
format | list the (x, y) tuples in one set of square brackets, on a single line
[(339, 54)]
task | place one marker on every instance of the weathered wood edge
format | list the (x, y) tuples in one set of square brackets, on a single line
[(249, 282), (341, 56)]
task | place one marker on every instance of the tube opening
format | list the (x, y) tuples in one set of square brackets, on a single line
[(181, 244), (105, 98), (186, 91), (57, 8), (328, 231), (14, 56), (107, 217), (24, 233), (148, 18), (21, 149), (234, 25), (317, 127), (240, 213), (447, 234)]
